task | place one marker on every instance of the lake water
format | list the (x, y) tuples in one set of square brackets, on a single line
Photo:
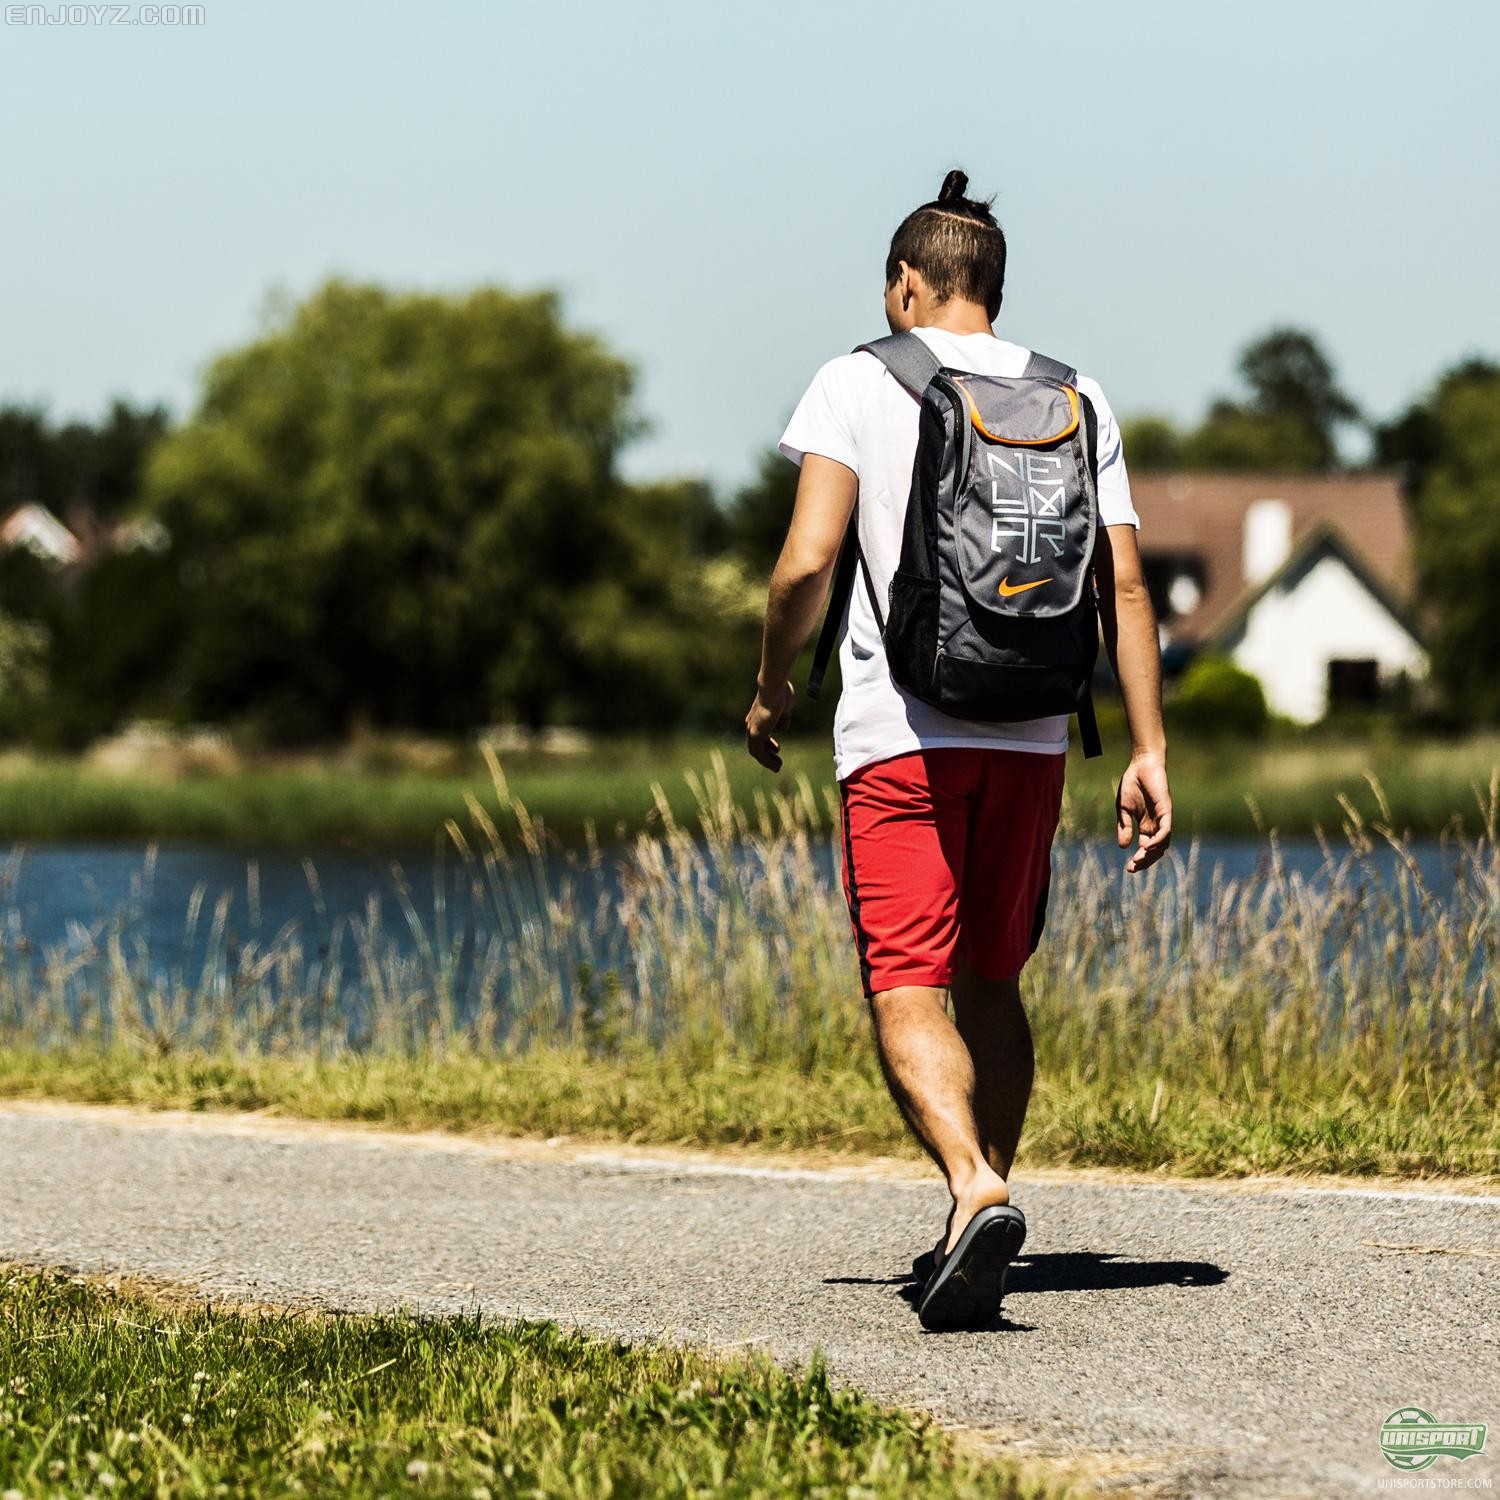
[(56, 899)]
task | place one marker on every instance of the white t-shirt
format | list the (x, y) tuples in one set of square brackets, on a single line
[(857, 413)]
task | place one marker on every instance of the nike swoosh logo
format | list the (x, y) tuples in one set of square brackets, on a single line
[(1008, 589)]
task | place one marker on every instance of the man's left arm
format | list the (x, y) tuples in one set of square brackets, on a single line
[(1143, 800), (826, 493)]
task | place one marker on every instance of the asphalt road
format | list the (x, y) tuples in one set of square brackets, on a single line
[(1194, 1340)]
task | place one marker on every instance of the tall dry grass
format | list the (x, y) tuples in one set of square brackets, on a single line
[(1359, 987)]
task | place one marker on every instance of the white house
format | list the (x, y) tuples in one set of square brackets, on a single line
[(1301, 580), (1321, 629)]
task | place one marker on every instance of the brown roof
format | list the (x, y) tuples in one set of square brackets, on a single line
[(1203, 515)]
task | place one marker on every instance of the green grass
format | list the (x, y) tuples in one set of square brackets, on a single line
[(362, 800), (124, 1393), (1347, 1125), (368, 800)]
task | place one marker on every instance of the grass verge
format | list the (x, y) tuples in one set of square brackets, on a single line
[(663, 1099), (345, 799), (121, 1393)]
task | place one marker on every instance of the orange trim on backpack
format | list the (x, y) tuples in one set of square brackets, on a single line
[(1040, 442)]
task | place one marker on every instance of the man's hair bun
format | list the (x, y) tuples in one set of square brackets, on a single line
[(955, 187)]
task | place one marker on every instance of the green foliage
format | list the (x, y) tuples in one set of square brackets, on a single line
[(1238, 439), (115, 631), (1152, 444), (1414, 440), (170, 1397), (24, 651), (1217, 698), (1291, 420), (1289, 376), (1458, 538), (109, 627), (31, 467), (762, 511), (386, 509), (102, 621), (671, 637), (82, 472), (1289, 424)]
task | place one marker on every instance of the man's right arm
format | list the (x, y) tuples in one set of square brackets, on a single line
[(820, 437), (1129, 627), (826, 494)]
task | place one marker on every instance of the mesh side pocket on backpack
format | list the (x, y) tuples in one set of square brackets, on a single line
[(911, 631)]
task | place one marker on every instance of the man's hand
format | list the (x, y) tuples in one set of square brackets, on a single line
[(769, 716), (1144, 799)]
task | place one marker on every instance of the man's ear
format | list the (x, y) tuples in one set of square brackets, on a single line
[(906, 280)]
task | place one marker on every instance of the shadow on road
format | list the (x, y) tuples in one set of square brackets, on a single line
[(1070, 1271), (1091, 1271)]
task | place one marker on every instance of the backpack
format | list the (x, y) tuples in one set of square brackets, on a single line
[(992, 613)]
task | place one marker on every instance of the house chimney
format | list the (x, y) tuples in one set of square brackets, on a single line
[(1268, 538)]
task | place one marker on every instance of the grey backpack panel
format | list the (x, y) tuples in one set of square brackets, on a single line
[(1025, 516)]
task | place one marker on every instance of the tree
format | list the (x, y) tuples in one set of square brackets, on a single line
[(24, 650), (28, 457), (1458, 536), (1289, 376), (1237, 439), (1152, 444), (81, 469), (1291, 421), (1412, 441), (389, 508), (112, 634), (762, 511), (673, 640)]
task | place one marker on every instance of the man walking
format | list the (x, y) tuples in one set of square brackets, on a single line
[(949, 817)]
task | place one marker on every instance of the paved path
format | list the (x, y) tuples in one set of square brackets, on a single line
[(1205, 1340)]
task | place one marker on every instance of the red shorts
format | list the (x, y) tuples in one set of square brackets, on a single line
[(949, 852)]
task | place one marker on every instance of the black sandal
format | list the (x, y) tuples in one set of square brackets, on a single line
[(966, 1286), (924, 1267)]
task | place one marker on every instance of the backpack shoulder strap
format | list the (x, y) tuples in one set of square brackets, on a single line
[(914, 365), (851, 557), (907, 358), (1040, 367), (1088, 721)]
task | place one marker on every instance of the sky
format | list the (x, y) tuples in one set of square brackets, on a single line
[(713, 188)]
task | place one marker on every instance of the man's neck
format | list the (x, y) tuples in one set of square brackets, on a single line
[(955, 316)]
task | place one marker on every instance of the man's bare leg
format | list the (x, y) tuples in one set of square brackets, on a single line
[(992, 1022), (931, 1076)]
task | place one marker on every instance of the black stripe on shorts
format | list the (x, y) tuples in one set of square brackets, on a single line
[(861, 938)]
